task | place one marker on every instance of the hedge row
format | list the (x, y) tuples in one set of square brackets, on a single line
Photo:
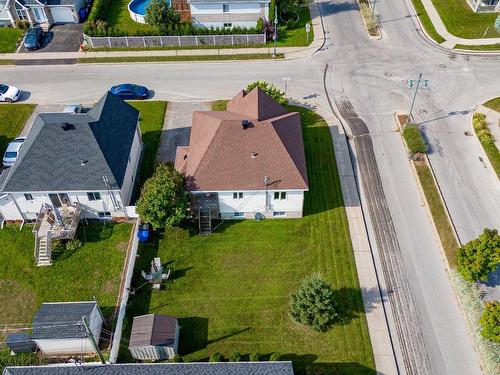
[(414, 139)]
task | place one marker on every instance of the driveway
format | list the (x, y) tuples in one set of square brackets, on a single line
[(61, 38)]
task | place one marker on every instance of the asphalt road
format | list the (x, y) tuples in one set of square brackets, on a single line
[(371, 75)]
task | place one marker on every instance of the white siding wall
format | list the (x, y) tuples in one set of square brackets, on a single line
[(66, 346), (131, 173), (216, 8), (157, 352), (253, 203), (95, 322)]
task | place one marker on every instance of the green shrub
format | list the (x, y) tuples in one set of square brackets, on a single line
[(255, 357), (269, 89), (22, 24), (479, 116), (73, 245), (235, 357), (216, 357), (490, 321), (479, 124), (177, 359), (275, 357), (414, 139), (485, 136)]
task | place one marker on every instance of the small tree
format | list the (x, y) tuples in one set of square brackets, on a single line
[(490, 321), (255, 357), (163, 201), (275, 357), (479, 257), (216, 357), (160, 15), (177, 358), (235, 357), (313, 304), (269, 89)]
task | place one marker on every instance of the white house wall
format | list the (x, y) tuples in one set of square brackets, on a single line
[(131, 172), (95, 322), (65, 346), (216, 8), (252, 203), (239, 14)]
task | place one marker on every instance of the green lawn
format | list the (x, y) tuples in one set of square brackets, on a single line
[(219, 105), (494, 104), (92, 271), (251, 56), (462, 22), (296, 37), (426, 22), (486, 47), (13, 117), (120, 21), (152, 114), (8, 39), (231, 290)]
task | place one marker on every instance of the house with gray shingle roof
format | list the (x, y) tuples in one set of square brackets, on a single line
[(198, 368), (86, 159), (40, 12), (58, 328)]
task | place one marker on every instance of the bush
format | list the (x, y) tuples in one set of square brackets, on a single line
[(275, 357), (235, 357), (73, 245), (162, 16), (313, 304), (490, 321), (479, 257), (414, 139), (485, 136), (22, 24), (216, 357), (479, 124), (479, 116), (255, 357), (177, 359), (269, 89)]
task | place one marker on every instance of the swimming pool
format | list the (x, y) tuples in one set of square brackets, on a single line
[(137, 9)]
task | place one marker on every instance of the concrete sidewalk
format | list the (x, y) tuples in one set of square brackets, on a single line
[(451, 40)]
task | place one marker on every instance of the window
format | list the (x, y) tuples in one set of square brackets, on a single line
[(28, 197), (225, 8), (104, 214), (237, 195), (279, 213), (94, 196), (279, 195), (228, 25), (239, 214)]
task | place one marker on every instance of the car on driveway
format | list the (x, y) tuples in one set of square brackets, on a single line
[(130, 91), (10, 156), (9, 93), (33, 38)]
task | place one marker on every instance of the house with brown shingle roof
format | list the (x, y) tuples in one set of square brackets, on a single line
[(247, 160)]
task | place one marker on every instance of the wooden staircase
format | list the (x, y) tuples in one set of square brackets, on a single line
[(44, 251), (205, 221)]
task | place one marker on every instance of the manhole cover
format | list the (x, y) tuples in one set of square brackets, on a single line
[(422, 111), (388, 74), (442, 66)]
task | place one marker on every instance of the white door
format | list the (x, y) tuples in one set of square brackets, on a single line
[(62, 15), (39, 15)]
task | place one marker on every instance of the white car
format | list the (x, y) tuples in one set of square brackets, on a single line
[(10, 156), (9, 93)]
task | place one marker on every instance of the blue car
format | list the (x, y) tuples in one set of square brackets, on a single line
[(34, 37), (130, 91)]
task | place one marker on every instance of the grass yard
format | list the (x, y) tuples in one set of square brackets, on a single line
[(13, 117), (93, 270), (296, 37), (219, 105), (426, 22), (120, 21), (231, 290), (462, 22), (486, 47), (493, 104), (8, 39), (249, 56), (152, 114)]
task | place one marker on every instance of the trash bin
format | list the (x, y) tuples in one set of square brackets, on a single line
[(82, 14), (144, 232)]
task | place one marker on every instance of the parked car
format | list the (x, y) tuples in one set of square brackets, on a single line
[(9, 93), (130, 91), (73, 108), (10, 156), (33, 38)]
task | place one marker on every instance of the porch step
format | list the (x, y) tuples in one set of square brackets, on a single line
[(45, 26)]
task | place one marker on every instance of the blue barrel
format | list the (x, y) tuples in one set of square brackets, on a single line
[(82, 14), (144, 232)]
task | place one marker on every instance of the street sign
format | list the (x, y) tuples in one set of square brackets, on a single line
[(497, 23), (308, 30)]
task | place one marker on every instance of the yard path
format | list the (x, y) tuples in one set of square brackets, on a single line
[(177, 127)]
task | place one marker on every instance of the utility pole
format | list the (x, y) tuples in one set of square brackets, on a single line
[(92, 339), (410, 85), (275, 36)]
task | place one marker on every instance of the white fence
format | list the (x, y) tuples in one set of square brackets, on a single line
[(174, 41)]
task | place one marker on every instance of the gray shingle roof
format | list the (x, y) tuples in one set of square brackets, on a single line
[(61, 320), (228, 368), (56, 157)]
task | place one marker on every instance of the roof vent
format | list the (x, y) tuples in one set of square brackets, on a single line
[(185, 157), (67, 126), (83, 162), (245, 124), (253, 155)]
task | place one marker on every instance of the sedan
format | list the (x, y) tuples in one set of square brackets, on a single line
[(12, 152), (9, 93), (130, 91), (33, 38)]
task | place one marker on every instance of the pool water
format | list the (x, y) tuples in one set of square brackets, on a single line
[(140, 6)]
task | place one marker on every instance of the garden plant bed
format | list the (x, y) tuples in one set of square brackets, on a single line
[(371, 23), (231, 290), (13, 117)]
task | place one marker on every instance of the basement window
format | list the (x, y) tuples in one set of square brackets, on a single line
[(104, 215), (239, 214), (228, 25), (279, 213)]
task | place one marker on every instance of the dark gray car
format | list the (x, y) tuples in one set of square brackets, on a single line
[(33, 38)]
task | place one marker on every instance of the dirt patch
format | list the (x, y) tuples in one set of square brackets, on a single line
[(17, 302), (109, 287), (122, 246)]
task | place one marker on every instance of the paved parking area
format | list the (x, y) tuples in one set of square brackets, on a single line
[(61, 38)]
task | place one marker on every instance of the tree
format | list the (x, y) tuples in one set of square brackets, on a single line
[(269, 89), (255, 357), (163, 201), (235, 357), (490, 321), (160, 15), (216, 357), (313, 304), (479, 257)]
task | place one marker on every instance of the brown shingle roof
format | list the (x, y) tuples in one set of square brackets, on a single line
[(219, 156), (153, 329)]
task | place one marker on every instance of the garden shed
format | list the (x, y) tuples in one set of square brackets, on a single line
[(154, 337)]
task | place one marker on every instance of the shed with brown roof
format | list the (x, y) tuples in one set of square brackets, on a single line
[(154, 337)]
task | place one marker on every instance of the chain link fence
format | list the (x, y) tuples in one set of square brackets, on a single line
[(174, 41)]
